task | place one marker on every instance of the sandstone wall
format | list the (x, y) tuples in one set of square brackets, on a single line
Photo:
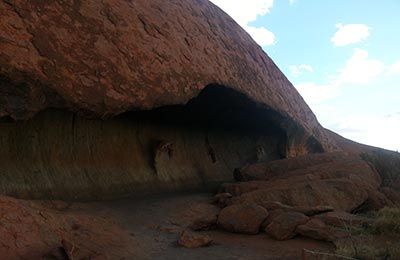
[(95, 62), (103, 58), (58, 154)]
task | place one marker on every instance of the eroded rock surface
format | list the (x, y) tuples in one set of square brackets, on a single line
[(99, 64), (338, 180), (102, 58), (60, 155), (108, 98), (31, 230), (190, 239), (245, 218), (317, 229), (282, 226)]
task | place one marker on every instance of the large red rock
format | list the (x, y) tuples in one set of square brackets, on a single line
[(337, 181), (30, 230), (102, 58), (313, 166), (386, 162), (191, 239), (319, 230), (245, 218), (308, 211), (204, 216), (121, 96), (99, 59), (283, 226), (341, 194), (343, 219), (285, 168), (221, 199)]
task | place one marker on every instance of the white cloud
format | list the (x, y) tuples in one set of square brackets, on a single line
[(372, 130), (394, 69), (261, 35), (359, 69), (292, 2), (295, 71), (364, 128), (306, 67), (246, 11), (315, 94), (349, 34), (299, 70)]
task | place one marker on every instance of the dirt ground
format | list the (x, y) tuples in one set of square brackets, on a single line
[(156, 223)]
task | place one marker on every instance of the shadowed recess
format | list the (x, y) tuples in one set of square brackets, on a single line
[(58, 154)]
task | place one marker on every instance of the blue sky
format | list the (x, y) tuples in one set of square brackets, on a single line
[(343, 56)]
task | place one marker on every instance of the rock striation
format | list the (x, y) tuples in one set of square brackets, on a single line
[(100, 59), (342, 181), (105, 98), (112, 98)]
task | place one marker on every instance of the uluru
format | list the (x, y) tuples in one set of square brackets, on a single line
[(162, 130)]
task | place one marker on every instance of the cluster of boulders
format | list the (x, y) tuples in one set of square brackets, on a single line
[(279, 221), (315, 196)]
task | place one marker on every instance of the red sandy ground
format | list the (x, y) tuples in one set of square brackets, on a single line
[(140, 228), (157, 222)]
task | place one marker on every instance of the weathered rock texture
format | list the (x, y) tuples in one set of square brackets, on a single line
[(190, 239), (283, 226), (60, 155), (214, 100), (245, 218), (57, 230), (386, 162), (339, 180), (104, 58)]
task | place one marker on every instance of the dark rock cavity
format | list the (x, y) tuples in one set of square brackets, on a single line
[(58, 154)]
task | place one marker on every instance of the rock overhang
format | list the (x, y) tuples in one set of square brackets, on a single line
[(100, 61), (104, 58), (60, 154)]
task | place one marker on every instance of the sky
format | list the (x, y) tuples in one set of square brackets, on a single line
[(343, 56)]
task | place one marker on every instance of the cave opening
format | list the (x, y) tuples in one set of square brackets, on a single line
[(59, 154)]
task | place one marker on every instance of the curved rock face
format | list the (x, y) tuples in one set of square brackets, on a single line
[(58, 154), (100, 59), (104, 58), (54, 230)]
